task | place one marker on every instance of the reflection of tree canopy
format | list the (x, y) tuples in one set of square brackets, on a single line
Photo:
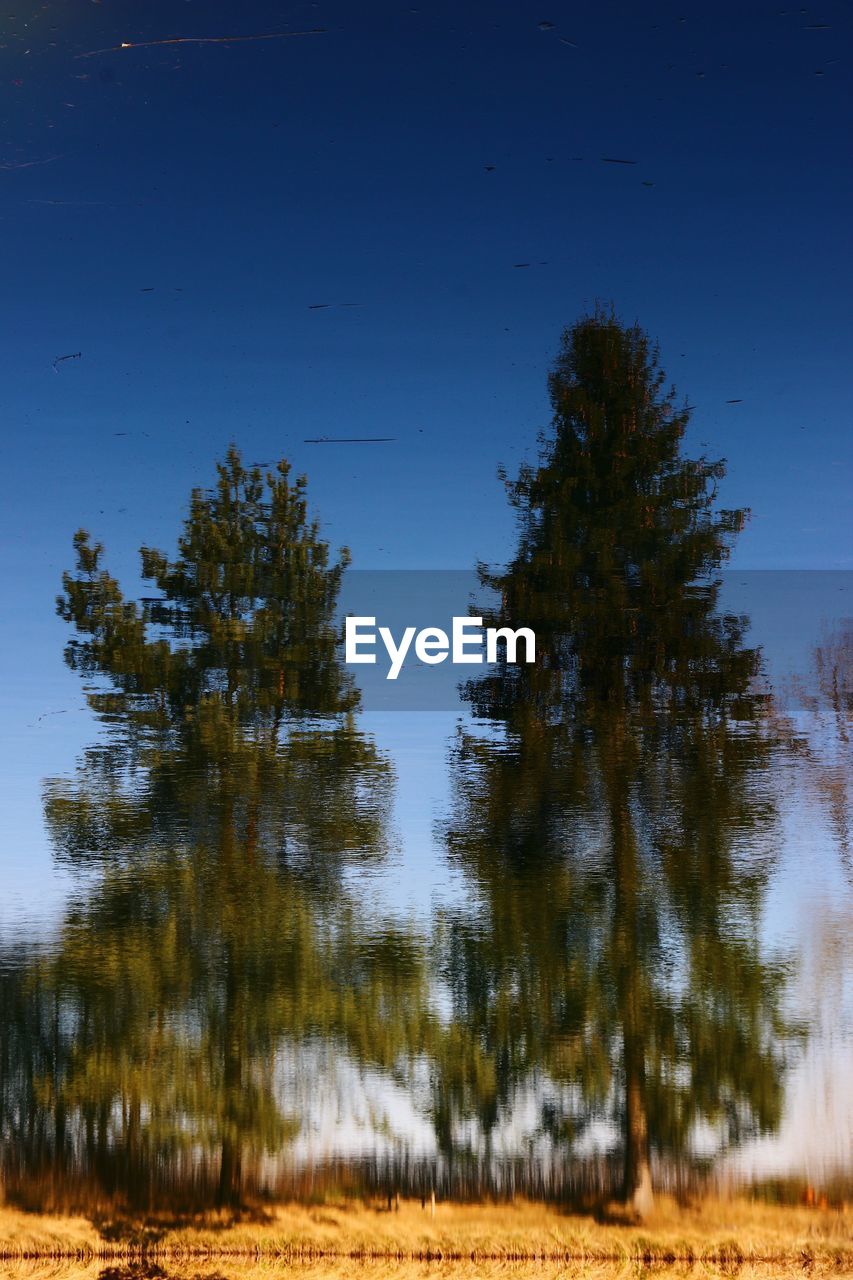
[(176, 989), (244, 617), (619, 826), (230, 794)]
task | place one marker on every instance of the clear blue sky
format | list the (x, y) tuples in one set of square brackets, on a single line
[(406, 159), (177, 212)]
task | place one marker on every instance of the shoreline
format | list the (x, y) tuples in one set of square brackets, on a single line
[(727, 1234)]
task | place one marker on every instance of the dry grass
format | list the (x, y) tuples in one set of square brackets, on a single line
[(711, 1238)]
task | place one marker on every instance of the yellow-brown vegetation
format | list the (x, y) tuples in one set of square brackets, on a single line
[(711, 1237)]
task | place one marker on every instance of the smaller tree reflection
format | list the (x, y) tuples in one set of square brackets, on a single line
[(229, 794)]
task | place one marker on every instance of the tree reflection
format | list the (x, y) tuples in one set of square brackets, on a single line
[(231, 793), (619, 823)]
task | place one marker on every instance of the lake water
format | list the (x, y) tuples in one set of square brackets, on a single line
[(395, 947)]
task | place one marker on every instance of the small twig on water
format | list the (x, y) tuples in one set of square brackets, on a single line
[(150, 44)]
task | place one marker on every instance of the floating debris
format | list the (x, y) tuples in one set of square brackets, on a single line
[(150, 44), (75, 355), (74, 203), (45, 714), (26, 164)]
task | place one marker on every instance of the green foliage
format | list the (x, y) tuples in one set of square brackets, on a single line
[(242, 633), (231, 793), (620, 826)]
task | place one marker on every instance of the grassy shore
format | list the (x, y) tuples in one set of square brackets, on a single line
[(716, 1236)]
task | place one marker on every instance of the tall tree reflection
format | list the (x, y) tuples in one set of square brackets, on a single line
[(618, 820), (231, 794)]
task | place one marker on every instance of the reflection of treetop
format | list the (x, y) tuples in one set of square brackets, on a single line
[(619, 829), (233, 708), (243, 627), (222, 818), (617, 531)]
